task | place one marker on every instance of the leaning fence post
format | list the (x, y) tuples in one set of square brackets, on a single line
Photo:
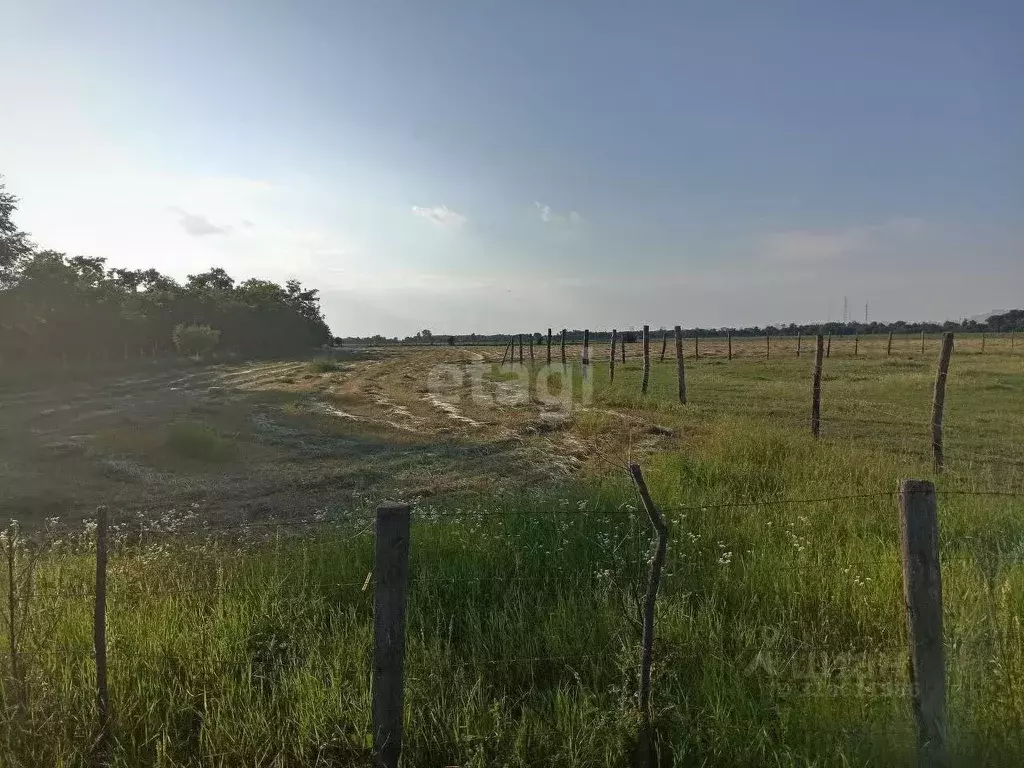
[(549, 346), (664, 344), (939, 400), (647, 642), (888, 347), (622, 349), (390, 573), (696, 344), (828, 347), (816, 389), (611, 360), (100, 632), (922, 594), (647, 360), (680, 369), (586, 346), (563, 346)]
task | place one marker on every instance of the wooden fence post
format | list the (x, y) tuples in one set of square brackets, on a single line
[(664, 344), (504, 352), (563, 346), (922, 342), (939, 400), (922, 594), (799, 342), (647, 360), (390, 574), (828, 347), (983, 343), (888, 346), (816, 388), (680, 369), (100, 632), (856, 344), (622, 349), (586, 347), (696, 344), (549, 346), (730, 344), (767, 346), (531, 347), (645, 744), (520, 349), (611, 359)]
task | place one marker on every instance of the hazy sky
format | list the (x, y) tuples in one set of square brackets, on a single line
[(509, 166)]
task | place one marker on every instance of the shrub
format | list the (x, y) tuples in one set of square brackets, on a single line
[(195, 339)]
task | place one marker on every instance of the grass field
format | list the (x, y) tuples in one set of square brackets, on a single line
[(780, 624)]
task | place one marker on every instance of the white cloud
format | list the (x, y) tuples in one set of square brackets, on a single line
[(198, 226), (814, 246), (440, 214), (551, 217)]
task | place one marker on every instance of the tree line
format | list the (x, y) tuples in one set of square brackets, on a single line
[(53, 306), (1001, 323)]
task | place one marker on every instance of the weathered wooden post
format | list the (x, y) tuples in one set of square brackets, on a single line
[(586, 346), (549, 346), (622, 349), (647, 360), (939, 400), (922, 594), (563, 346), (828, 348), (730, 344), (816, 388), (391, 574), (680, 369), (856, 344), (696, 344), (660, 530), (520, 349), (611, 359), (100, 633), (531, 347), (799, 342), (922, 342), (664, 344), (767, 346), (888, 346), (983, 342)]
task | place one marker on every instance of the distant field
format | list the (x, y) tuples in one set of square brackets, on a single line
[(780, 627)]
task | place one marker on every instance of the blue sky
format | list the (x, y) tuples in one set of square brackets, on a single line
[(509, 166)]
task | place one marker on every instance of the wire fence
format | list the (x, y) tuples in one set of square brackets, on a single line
[(535, 562)]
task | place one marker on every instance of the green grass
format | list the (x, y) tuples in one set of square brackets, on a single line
[(198, 441), (780, 626)]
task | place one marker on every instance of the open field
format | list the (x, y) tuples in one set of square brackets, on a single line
[(780, 625)]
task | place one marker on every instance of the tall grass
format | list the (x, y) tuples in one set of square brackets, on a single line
[(780, 633)]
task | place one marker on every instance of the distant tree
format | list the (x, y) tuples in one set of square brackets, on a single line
[(195, 339), (14, 244)]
